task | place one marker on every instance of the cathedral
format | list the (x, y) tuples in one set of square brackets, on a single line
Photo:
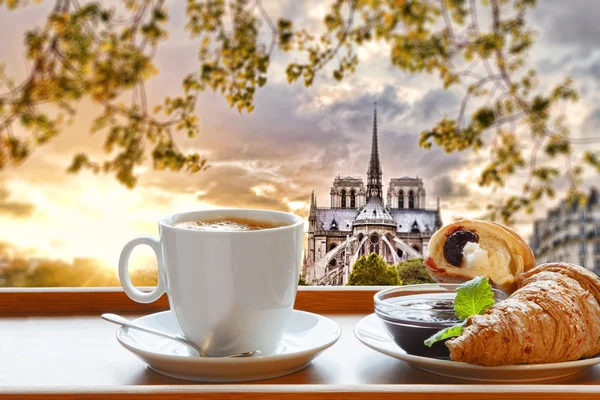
[(358, 222)]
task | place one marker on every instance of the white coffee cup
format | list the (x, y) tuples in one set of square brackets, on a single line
[(230, 291)]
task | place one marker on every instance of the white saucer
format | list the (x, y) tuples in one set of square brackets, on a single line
[(306, 336), (371, 332)]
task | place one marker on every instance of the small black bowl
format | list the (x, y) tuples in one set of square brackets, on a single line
[(413, 313)]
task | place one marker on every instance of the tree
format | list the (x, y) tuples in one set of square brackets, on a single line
[(302, 281), (372, 270), (413, 271), (90, 51), (56, 273)]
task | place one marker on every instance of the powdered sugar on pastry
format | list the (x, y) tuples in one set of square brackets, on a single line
[(495, 265)]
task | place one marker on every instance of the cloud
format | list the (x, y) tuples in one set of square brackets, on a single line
[(572, 23), (591, 70), (435, 104), (445, 188), (233, 186), (356, 113), (591, 123), (13, 208)]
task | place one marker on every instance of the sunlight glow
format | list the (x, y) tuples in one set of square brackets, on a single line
[(296, 205), (261, 190)]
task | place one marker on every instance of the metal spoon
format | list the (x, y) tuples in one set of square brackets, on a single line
[(119, 320)]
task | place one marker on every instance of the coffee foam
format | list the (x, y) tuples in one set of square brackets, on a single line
[(227, 226)]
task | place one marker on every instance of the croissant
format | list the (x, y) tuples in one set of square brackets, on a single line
[(554, 316), (460, 251)]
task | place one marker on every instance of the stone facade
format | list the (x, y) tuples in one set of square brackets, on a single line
[(348, 192), (357, 222), (570, 234), (406, 192)]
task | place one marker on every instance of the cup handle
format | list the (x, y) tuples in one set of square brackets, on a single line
[(131, 291)]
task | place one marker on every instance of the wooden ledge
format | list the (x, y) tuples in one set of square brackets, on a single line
[(82, 301)]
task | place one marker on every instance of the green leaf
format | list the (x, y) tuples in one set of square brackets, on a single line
[(451, 331), (473, 297)]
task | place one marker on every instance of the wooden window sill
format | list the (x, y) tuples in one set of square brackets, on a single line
[(54, 345)]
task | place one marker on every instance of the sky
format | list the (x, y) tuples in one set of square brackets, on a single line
[(297, 139)]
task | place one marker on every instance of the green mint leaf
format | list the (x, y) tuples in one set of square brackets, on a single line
[(451, 331), (473, 297)]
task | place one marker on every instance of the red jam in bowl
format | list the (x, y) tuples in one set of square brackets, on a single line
[(413, 313)]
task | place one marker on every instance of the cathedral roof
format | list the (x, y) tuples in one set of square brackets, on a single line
[(405, 180), (374, 212), (342, 216), (407, 218)]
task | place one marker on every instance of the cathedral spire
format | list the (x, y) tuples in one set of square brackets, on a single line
[(374, 185), (313, 204)]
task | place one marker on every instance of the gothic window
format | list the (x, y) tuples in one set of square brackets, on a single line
[(374, 244), (375, 248), (401, 199), (334, 226), (353, 198), (411, 199), (332, 246), (416, 248), (343, 198), (582, 248), (400, 253), (415, 227)]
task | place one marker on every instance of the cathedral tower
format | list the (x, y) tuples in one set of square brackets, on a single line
[(312, 215), (374, 185)]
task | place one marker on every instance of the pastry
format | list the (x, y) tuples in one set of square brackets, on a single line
[(460, 251), (554, 316)]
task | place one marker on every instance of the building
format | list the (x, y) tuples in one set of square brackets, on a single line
[(570, 233), (358, 222)]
